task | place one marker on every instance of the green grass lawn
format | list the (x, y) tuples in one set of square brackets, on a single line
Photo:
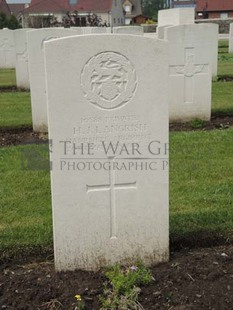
[(15, 109), (7, 77), (25, 200), (201, 185), (201, 191), (225, 60), (222, 97)]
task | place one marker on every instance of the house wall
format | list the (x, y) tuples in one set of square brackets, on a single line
[(117, 16), (212, 15)]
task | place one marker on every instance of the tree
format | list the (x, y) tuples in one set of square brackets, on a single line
[(11, 22), (150, 8), (73, 19)]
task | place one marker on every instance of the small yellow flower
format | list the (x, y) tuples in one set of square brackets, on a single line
[(78, 297)]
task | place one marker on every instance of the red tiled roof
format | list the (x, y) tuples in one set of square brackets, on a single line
[(56, 6), (46, 6), (16, 8), (4, 7), (214, 5), (93, 5)]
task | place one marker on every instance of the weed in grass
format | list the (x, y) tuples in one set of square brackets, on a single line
[(122, 290), (223, 126), (197, 123)]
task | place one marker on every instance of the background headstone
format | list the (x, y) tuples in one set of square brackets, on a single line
[(190, 73), (231, 38), (7, 48), (137, 30), (22, 75), (108, 205), (79, 30), (36, 39), (176, 16), (209, 38), (91, 30)]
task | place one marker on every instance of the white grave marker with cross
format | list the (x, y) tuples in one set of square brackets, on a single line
[(189, 71), (7, 49), (231, 38), (22, 75), (190, 66), (110, 204)]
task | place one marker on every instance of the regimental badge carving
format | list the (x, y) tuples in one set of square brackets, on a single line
[(108, 80)]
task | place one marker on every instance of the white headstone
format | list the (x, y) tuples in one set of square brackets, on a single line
[(208, 39), (152, 35), (205, 34), (79, 30), (22, 75), (231, 38), (136, 30), (108, 205), (91, 30), (190, 71), (176, 16), (7, 48), (161, 30), (36, 39)]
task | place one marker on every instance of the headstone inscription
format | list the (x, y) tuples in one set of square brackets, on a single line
[(108, 123)]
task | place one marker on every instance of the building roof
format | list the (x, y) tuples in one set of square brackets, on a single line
[(4, 7), (16, 8), (214, 5), (57, 6)]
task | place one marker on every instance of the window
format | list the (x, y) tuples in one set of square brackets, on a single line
[(224, 15), (127, 8)]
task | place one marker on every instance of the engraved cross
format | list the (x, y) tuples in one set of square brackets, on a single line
[(23, 56), (5, 47), (112, 186), (189, 70)]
